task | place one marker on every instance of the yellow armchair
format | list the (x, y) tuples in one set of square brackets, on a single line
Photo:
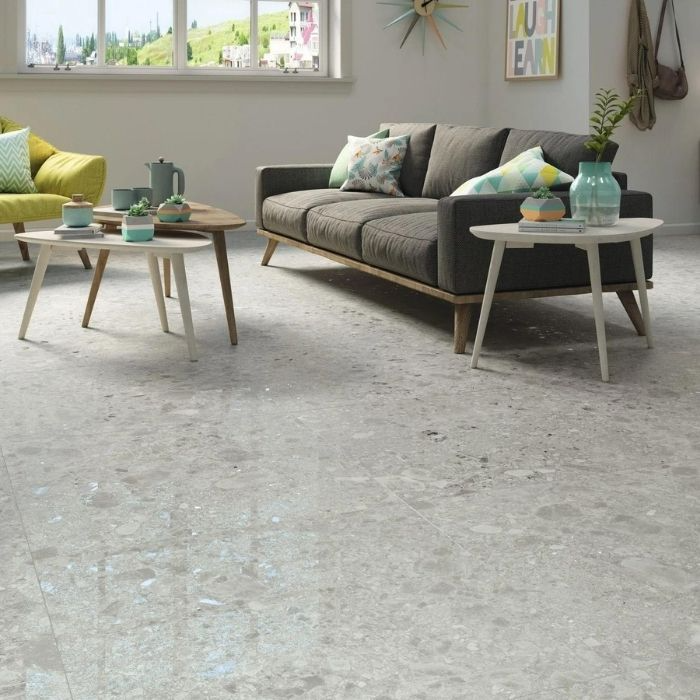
[(57, 175)]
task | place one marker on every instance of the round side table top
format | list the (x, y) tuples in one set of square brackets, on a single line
[(624, 230), (161, 245)]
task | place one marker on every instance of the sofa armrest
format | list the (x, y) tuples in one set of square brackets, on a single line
[(621, 179), (463, 259), (67, 174), (277, 179)]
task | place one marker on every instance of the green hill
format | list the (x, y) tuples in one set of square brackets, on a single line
[(206, 42)]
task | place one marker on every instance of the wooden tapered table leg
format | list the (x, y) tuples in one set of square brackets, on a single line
[(219, 240), (269, 250), (85, 259), (39, 271), (636, 246), (166, 276), (183, 296), (492, 279), (598, 313), (158, 291), (23, 247), (95, 286)]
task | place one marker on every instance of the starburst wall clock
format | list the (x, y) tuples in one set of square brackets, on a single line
[(426, 12)]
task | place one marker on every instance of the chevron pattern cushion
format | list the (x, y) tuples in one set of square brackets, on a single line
[(15, 170), (527, 171)]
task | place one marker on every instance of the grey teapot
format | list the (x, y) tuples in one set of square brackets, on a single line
[(161, 183)]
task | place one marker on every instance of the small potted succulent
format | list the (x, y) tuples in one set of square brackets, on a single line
[(137, 223), (542, 205), (174, 208)]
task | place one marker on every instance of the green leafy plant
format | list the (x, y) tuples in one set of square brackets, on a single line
[(610, 109), (140, 208), (176, 199), (543, 193)]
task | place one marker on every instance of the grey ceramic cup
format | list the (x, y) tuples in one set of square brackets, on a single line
[(122, 198), (140, 192)]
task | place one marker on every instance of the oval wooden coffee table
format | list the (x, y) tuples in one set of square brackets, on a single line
[(174, 247), (205, 219)]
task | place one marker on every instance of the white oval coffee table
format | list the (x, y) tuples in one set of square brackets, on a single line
[(173, 247), (508, 236)]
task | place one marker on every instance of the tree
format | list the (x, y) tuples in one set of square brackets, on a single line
[(194, 24), (170, 30), (221, 57), (189, 51), (60, 46)]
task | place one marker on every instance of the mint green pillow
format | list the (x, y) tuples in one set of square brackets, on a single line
[(15, 169), (339, 174)]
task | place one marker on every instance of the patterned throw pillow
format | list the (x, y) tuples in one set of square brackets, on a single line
[(339, 173), (375, 164), (527, 171), (15, 171)]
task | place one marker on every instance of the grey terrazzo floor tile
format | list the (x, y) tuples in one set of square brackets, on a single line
[(338, 507)]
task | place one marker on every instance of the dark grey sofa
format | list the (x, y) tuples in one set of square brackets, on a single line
[(422, 240)]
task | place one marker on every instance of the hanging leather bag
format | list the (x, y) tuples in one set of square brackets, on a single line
[(673, 83)]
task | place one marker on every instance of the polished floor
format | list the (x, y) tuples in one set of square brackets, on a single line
[(339, 507)]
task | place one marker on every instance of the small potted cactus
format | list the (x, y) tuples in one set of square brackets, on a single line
[(542, 205), (174, 208), (137, 223)]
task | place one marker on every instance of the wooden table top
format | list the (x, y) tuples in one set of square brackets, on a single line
[(162, 245), (204, 218)]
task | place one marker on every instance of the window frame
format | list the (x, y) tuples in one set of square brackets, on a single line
[(330, 40)]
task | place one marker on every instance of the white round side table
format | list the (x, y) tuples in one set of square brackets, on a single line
[(508, 235)]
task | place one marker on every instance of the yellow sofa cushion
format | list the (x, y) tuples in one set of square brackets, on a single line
[(68, 173), (39, 150), (30, 207)]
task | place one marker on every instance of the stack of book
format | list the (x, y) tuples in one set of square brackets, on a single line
[(91, 231), (565, 224)]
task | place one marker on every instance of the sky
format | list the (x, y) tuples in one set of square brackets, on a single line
[(80, 16)]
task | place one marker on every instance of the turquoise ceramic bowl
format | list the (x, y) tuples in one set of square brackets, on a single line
[(77, 216)]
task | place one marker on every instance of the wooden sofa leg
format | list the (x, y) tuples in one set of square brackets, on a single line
[(85, 258), (269, 250), (630, 304), (23, 247), (463, 316)]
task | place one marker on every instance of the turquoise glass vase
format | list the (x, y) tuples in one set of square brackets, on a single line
[(595, 195)]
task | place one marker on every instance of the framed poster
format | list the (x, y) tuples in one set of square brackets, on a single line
[(532, 39)]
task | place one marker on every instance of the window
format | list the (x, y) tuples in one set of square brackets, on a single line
[(177, 36)]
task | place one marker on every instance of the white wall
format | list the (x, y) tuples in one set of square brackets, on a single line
[(218, 132), (663, 161)]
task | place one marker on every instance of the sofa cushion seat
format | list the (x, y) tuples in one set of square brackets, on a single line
[(30, 207), (405, 244), (287, 213), (338, 227)]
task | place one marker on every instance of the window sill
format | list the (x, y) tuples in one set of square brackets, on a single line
[(163, 76)]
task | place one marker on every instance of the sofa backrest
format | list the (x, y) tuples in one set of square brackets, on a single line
[(39, 150), (415, 163), (460, 153), (441, 157), (562, 150)]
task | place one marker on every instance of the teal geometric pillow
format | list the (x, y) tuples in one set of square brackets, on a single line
[(15, 171), (339, 174), (375, 164), (526, 172)]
